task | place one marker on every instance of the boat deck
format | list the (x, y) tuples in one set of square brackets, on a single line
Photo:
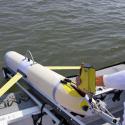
[(14, 102), (18, 108)]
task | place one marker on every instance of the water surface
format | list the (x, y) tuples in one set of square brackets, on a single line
[(64, 32)]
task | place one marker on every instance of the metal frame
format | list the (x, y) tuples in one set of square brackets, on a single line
[(58, 110)]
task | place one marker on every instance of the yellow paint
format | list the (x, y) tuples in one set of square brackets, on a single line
[(70, 90), (84, 103), (10, 83)]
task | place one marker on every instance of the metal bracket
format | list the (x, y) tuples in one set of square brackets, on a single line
[(101, 110), (29, 56)]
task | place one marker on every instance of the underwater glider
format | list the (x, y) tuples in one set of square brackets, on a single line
[(47, 82), (53, 86)]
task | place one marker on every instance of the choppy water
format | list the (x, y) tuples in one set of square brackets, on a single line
[(64, 32)]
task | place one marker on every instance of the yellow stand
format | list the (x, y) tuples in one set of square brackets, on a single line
[(87, 79), (10, 83), (63, 67)]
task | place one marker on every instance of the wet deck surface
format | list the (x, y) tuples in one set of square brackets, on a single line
[(14, 102)]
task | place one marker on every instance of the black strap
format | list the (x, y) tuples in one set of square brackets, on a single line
[(117, 95), (65, 81), (37, 119), (42, 114)]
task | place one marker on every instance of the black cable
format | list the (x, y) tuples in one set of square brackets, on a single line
[(42, 114)]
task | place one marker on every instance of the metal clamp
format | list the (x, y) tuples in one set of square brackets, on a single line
[(102, 111)]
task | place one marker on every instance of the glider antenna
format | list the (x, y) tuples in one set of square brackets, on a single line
[(29, 56)]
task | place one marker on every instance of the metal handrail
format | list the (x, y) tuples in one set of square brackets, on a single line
[(28, 53)]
